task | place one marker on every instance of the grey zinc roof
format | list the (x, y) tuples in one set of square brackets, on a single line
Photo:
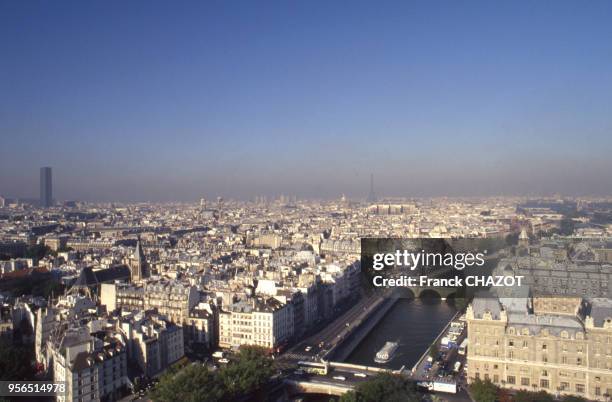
[(486, 303), (553, 323), (601, 310)]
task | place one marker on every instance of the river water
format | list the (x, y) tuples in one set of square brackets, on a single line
[(414, 322)]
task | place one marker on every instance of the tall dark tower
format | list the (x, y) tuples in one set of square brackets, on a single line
[(138, 264), (46, 187), (372, 196)]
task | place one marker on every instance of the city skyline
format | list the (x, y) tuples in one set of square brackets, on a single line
[(306, 99), (46, 197)]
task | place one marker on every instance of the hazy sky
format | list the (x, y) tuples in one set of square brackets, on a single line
[(177, 100)]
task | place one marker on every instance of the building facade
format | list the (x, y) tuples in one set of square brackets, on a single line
[(567, 353), (92, 368), (257, 321)]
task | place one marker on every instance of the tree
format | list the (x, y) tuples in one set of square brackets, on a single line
[(526, 396), (350, 396), (573, 398), (251, 370), (38, 251), (483, 391), (193, 383), (384, 387), (504, 395), (16, 363)]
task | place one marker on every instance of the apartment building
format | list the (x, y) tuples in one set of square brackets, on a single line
[(169, 297), (567, 351), (258, 321), (93, 368), (153, 342)]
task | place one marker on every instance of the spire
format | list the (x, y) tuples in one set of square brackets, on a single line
[(139, 254), (138, 264)]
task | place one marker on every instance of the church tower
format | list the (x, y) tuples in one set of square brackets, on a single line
[(138, 264)]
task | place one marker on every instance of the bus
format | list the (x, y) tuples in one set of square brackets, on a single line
[(463, 347), (313, 367)]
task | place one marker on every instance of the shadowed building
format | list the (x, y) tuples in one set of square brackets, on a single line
[(46, 188)]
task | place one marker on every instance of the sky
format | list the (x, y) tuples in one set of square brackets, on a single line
[(164, 101)]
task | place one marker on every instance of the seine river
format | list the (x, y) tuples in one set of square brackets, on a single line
[(414, 322)]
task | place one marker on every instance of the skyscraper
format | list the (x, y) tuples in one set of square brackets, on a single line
[(46, 188), (372, 196)]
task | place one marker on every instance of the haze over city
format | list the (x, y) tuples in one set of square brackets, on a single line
[(159, 102)]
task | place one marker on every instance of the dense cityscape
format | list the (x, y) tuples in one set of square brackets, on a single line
[(305, 201), (118, 300)]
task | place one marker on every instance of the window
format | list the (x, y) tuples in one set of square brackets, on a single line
[(525, 381), (510, 343), (511, 379), (564, 386), (544, 383), (580, 388), (544, 346)]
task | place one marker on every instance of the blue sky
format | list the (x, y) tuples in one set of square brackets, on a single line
[(173, 101)]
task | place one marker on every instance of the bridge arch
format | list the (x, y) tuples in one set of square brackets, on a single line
[(429, 294), (405, 293)]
